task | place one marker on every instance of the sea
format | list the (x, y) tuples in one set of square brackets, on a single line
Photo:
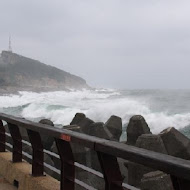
[(160, 108)]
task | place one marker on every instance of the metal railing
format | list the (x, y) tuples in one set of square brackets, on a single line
[(107, 152)]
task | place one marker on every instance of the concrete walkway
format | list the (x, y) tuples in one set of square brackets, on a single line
[(4, 185)]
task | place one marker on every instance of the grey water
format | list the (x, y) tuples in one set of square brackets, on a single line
[(172, 101), (168, 101)]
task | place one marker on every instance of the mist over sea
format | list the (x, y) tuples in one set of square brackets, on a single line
[(160, 108)]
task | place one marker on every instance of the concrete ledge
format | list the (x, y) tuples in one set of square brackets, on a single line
[(21, 172)]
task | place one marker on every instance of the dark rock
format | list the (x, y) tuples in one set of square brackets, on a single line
[(123, 169), (78, 118), (46, 122), (176, 143), (114, 125), (81, 120), (84, 124), (96, 182), (135, 173), (24, 134), (149, 142), (75, 128), (99, 130), (156, 180), (136, 127), (47, 140)]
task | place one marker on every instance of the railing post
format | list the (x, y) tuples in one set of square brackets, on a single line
[(67, 164), (180, 184), (2, 137), (17, 142), (111, 171), (37, 153)]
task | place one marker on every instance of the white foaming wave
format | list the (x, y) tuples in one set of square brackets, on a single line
[(60, 116), (73, 101), (123, 107), (160, 121), (126, 108), (105, 90), (57, 97), (101, 110), (13, 101), (98, 106), (96, 109)]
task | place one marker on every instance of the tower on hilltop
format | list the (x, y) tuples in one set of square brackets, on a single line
[(10, 47)]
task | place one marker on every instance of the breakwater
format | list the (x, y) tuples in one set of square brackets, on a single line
[(109, 153)]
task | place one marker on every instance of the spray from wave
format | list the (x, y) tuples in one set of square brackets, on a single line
[(99, 105)]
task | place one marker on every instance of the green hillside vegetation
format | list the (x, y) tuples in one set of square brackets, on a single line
[(21, 72)]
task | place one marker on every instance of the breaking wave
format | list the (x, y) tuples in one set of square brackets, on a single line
[(99, 105)]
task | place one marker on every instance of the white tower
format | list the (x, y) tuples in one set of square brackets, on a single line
[(10, 48)]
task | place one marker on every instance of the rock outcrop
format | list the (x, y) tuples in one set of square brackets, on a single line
[(78, 118), (22, 73), (149, 142), (114, 125), (81, 120), (99, 130), (156, 180), (47, 140), (136, 127), (176, 143)]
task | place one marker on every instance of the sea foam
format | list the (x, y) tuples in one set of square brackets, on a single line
[(99, 105)]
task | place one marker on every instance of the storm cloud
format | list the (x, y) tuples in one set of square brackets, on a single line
[(110, 43)]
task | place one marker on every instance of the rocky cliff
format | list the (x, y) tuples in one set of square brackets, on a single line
[(22, 73)]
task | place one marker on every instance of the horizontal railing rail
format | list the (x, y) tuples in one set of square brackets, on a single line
[(107, 151)]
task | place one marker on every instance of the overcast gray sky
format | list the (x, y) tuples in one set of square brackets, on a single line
[(110, 43)]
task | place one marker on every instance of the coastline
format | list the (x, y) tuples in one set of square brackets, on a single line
[(7, 90)]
